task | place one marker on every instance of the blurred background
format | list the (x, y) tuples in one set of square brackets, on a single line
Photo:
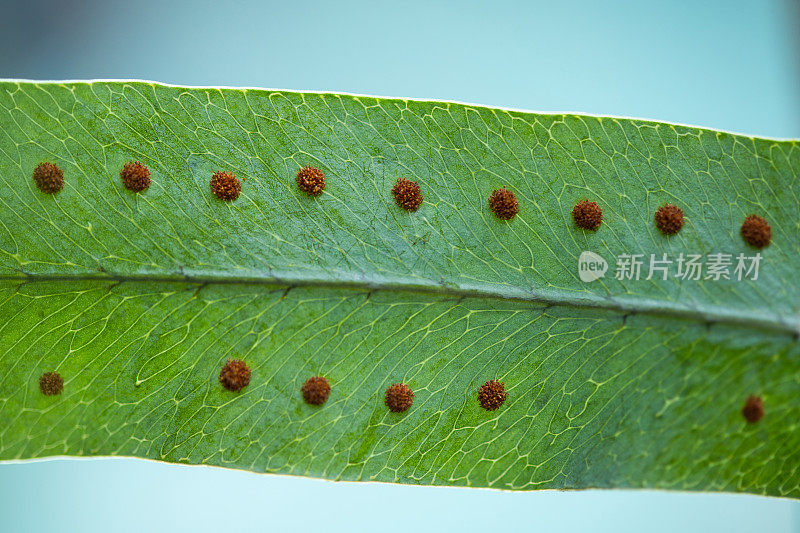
[(732, 65)]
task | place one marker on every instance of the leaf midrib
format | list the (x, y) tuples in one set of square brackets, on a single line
[(663, 309)]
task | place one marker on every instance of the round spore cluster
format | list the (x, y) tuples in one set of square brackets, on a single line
[(756, 231), (135, 176), (311, 180), (51, 383), (407, 194), (398, 398), (753, 409), (316, 390), (48, 177), (669, 219), (503, 204), (492, 394), (225, 186), (587, 215), (235, 375)]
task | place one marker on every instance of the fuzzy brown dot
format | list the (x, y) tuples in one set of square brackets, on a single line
[(311, 180), (135, 176), (587, 215), (51, 383), (398, 398), (316, 390), (235, 375), (669, 219), (504, 204), (492, 394), (48, 177), (225, 186), (407, 194), (753, 409), (756, 231)]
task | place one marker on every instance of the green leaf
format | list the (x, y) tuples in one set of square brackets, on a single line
[(137, 300)]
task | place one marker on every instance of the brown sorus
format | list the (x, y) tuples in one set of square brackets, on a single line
[(504, 204), (756, 231), (492, 394), (235, 375), (135, 176), (316, 390), (51, 383), (587, 215), (225, 186), (407, 194), (48, 177), (398, 397), (311, 180), (753, 409), (669, 219)]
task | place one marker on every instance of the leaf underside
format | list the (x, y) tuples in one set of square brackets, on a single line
[(138, 299)]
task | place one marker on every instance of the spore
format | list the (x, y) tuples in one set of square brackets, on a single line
[(398, 397), (753, 409), (407, 194), (135, 176), (587, 215), (492, 394), (756, 231), (51, 383), (48, 177), (503, 204), (316, 390), (669, 219), (225, 186), (235, 375), (311, 180)]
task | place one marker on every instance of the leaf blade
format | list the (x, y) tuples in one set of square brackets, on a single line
[(449, 263)]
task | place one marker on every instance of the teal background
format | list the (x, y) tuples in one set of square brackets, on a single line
[(729, 65)]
